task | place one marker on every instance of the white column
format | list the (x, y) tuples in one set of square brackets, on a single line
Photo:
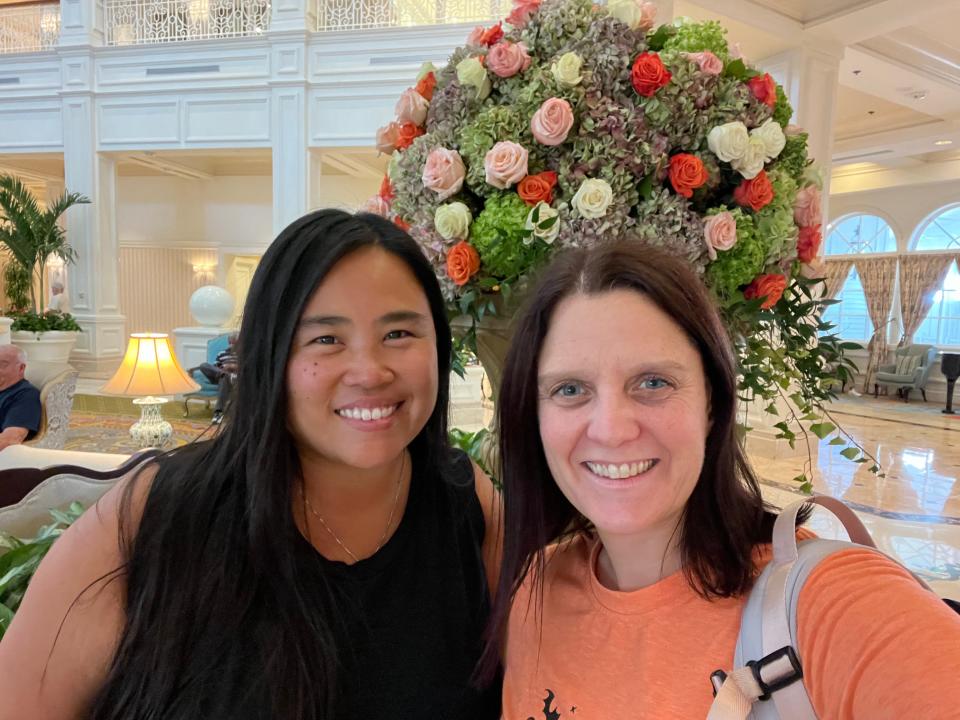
[(81, 23), (91, 230), (288, 15), (810, 77)]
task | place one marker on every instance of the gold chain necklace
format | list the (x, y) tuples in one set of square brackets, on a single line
[(386, 531)]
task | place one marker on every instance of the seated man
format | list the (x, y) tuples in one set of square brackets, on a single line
[(223, 372), (19, 400)]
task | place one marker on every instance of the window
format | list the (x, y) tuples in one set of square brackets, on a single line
[(850, 315), (941, 232), (858, 234), (942, 324)]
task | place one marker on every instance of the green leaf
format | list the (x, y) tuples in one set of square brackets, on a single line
[(656, 41), (737, 69), (821, 430), (838, 441), (645, 188), (850, 453)]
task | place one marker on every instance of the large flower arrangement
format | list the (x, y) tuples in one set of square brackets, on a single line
[(569, 124)]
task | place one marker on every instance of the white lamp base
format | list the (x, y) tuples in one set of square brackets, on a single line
[(151, 430)]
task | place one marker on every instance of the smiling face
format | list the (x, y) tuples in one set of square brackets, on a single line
[(623, 411), (362, 373)]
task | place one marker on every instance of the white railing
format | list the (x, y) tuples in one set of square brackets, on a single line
[(141, 22), (357, 14), (29, 28)]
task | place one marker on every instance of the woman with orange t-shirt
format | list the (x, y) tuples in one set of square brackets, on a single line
[(635, 526)]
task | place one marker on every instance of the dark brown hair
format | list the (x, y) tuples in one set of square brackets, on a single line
[(725, 516)]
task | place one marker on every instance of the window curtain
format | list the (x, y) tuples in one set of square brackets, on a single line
[(920, 277), (835, 274), (878, 276)]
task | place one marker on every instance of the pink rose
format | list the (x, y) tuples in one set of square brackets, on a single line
[(807, 210), (648, 16), (376, 205), (476, 35), (387, 137), (505, 164), (443, 172), (412, 107), (708, 63), (720, 231), (552, 122), (506, 59), (521, 12)]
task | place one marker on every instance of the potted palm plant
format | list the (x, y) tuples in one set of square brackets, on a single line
[(33, 235)]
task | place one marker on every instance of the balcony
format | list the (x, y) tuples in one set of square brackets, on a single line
[(29, 27), (145, 22), (365, 14)]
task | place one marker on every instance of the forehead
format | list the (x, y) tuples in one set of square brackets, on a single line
[(370, 280), (620, 327)]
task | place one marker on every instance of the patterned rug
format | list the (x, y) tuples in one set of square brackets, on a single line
[(109, 433)]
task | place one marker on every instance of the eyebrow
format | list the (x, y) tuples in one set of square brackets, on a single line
[(338, 320)]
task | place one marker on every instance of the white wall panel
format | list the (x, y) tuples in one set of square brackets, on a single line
[(34, 77), (27, 127), (224, 119), (147, 122)]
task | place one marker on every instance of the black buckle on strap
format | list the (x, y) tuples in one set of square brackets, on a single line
[(757, 666)]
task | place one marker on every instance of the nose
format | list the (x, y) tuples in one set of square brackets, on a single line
[(614, 421), (367, 370)]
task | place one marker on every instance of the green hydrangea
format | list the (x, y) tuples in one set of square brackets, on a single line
[(493, 124), (738, 266), (697, 37), (783, 110), (775, 223), (498, 232), (793, 160)]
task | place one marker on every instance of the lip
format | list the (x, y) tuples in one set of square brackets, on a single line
[(612, 484), (371, 425)]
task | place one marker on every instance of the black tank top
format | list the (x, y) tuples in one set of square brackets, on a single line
[(411, 617)]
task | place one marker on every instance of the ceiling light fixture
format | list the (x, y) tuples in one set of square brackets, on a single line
[(943, 142)]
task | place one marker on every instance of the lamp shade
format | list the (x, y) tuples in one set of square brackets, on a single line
[(149, 368)]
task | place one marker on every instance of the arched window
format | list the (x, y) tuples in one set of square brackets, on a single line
[(859, 234), (941, 231), (850, 315), (942, 324)]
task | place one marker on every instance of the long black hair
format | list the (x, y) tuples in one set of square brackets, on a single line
[(725, 516), (221, 621)]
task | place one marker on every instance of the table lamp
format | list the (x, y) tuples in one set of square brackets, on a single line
[(150, 369)]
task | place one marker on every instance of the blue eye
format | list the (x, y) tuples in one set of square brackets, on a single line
[(568, 390), (654, 383)]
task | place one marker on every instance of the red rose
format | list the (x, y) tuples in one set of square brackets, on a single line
[(764, 89), (492, 35), (425, 86), (406, 134), (463, 262), (769, 287), (386, 189), (401, 223), (687, 173), (755, 194), (537, 188), (649, 74), (808, 244)]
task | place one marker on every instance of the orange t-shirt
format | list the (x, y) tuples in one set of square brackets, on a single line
[(874, 644)]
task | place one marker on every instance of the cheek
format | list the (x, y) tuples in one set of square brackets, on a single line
[(307, 380), (558, 432)]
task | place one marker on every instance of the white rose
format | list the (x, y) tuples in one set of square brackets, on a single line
[(452, 221), (729, 142), (540, 230), (773, 138), (626, 11), (472, 73), (567, 69), (593, 198), (753, 160)]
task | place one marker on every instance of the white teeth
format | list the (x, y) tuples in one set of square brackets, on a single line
[(367, 414), (620, 472)]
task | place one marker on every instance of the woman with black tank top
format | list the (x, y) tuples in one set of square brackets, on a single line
[(325, 555)]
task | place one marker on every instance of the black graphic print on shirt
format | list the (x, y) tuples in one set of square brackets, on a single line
[(551, 713)]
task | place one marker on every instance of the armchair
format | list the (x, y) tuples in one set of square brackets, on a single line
[(56, 404), (910, 371), (208, 390)]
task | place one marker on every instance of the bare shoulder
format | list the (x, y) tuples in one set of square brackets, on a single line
[(59, 646), (492, 505)]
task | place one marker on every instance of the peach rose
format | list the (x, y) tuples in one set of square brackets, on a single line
[(521, 12), (443, 172), (807, 209), (387, 137), (412, 107), (463, 262), (720, 231), (769, 287), (808, 243), (552, 122), (476, 35), (505, 164), (708, 63), (426, 85), (506, 59), (376, 205)]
